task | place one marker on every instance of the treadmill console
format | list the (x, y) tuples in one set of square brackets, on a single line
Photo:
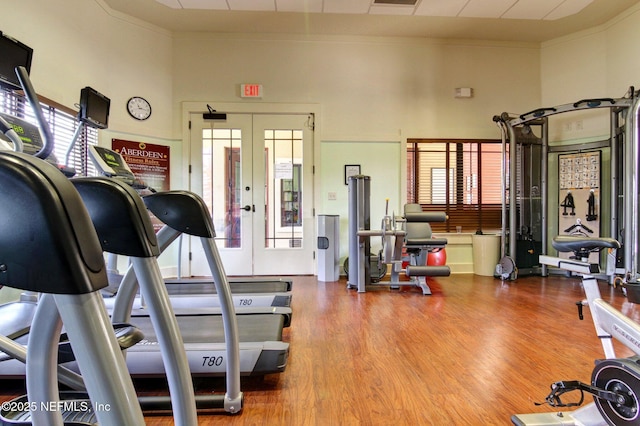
[(111, 164)]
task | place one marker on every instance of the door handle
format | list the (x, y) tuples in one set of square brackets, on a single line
[(249, 208)]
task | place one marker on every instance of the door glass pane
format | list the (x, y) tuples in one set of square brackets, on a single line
[(221, 183), (283, 188)]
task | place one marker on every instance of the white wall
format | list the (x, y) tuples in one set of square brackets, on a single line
[(80, 43)]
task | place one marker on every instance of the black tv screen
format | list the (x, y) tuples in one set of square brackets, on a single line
[(94, 108), (13, 54)]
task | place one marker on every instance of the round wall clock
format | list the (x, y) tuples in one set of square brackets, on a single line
[(139, 108)]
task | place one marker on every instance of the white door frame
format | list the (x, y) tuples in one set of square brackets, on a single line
[(189, 108)]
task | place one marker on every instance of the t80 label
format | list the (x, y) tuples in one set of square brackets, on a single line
[(212, 361)]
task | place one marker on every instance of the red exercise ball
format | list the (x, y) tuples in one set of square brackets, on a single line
[(437, 258)]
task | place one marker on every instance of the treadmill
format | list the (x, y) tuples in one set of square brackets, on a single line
[(261, 350), (261, 347), (195, 292)]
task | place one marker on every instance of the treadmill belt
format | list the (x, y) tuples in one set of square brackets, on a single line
[(209, 328), (206, 286)]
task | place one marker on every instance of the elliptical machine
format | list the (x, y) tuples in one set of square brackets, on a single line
[(69, 271), (123, 225)]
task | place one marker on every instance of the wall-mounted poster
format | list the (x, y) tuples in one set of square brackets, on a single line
[(149, 163), (579, 202)]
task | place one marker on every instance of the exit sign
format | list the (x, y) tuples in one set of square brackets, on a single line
[(251, 90)]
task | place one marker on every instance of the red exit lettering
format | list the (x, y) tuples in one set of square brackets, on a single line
[(251, 90)]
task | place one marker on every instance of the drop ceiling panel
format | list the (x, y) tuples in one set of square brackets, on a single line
[(391, 10), (396, 2), (569, 7), (204, 4), (486, 8), (344, 6), (531, 9), (255, 5), (173, 4), (314, 6), (514, 9), (440, 7)]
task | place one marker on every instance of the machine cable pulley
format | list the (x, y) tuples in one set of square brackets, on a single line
[(593, 103), (537, 113)]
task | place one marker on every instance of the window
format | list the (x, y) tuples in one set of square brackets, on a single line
[(283, 172), (222, 181), (459, 177), (63, 125)]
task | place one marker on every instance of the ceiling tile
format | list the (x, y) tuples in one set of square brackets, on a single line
[(173, 4), (531, 9), (344, 6), (486, 8), (396, 2), (253, 5), (304, 6), (440, 7), (391, 10), (569, 7), (204, 4)]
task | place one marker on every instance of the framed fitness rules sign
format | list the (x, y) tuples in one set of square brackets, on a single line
[(149, 163)]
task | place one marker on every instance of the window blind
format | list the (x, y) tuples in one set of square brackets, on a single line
[(459, 177), (63, 124)]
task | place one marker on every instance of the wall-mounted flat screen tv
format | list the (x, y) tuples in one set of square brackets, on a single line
[(94, 108), (13, 54)]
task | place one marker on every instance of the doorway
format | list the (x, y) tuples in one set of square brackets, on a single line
[(255, 173)]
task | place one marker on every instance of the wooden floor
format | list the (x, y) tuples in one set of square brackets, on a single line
[(475, 352)]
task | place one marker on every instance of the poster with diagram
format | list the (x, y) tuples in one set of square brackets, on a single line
[(579, 196)]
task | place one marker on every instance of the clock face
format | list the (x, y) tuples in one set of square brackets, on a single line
[(139, 108)]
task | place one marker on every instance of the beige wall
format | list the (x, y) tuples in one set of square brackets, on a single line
[(600, 62), (369, 88), (373, 94), (80, 43)]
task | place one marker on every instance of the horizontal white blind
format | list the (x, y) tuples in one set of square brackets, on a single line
[(63, 126)]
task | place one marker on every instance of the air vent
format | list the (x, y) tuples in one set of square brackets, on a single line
[(396, 2)]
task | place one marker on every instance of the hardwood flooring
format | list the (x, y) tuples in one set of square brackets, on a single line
[(475, 352)]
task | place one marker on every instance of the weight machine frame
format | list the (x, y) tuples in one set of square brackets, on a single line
[(623, 144)]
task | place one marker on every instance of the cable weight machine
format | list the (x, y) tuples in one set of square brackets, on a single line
[(525, 179)]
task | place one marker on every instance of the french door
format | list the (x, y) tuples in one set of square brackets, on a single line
[(255, 173)]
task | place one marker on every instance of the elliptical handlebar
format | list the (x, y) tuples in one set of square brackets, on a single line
[(32, 96)]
